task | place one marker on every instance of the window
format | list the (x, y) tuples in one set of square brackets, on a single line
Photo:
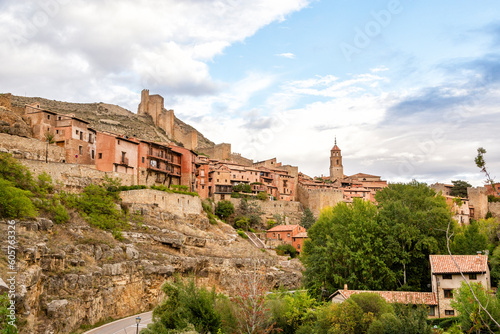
[(447, 276), (448, 293), (142, 159), (59, 118), (298, 246), (100, 155), (274, 235), (48, 116), (77, 131), (57, 132), (81, 135), (473, 276), (202, 187), (93, 154), (90, 138), (279, 236), (80, 150), (432, 311), (123, 157), (449, 312), (288, 235), (118, 141)]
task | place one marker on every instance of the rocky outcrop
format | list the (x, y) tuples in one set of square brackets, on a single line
[(74, 274)]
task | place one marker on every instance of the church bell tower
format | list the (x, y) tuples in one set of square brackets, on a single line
[(336, 168)]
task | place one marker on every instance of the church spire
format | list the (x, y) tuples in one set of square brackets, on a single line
[(335, 139)]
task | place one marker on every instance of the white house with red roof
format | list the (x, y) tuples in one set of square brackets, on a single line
[(446, 277)]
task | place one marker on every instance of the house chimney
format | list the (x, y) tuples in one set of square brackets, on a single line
[(345, 287)]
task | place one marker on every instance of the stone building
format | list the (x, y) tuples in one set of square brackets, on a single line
[(188, 166), (202, 176), (158, 164), (117, 153), (153, 105), (285, 233), (73, 134), (336, 167), (446, 277), (478, 202), (219, 179)]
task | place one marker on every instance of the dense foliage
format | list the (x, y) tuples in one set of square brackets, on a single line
[(377, 248), (224, 209), (460, 188), (307, 220), (186, 305)]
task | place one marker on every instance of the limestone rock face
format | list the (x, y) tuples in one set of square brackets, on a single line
[(74, 274)]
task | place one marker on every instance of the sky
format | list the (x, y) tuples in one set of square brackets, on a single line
[(409, 89)]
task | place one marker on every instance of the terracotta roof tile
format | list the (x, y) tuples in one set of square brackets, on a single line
[(301, 235), (283, 228), (443, 264), (402, 297)]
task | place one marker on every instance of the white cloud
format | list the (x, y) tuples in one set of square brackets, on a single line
[(162, 44), (288, 55)]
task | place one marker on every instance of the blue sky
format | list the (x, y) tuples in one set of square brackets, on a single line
[(409, 88)]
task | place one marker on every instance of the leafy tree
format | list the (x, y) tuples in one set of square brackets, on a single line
[(250, 210), (11, 170), (262, 196), (185, 305), (307, 219), (469, 240), (415, 219), (243, 187), (460, 188), (471, 317), (15, 202), (372, 303), (349, 245), (292, 311), (481, 163), (342, 318), (286, 249), (224, 209)]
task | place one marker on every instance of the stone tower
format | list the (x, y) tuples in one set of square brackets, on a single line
[(336, 168)]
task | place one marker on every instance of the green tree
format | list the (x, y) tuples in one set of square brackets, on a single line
[(460, 188), (472, 318), (286, 249), (11, 170), (15, 202), (224, 209), (348, 245), (262, 196), (468, 240), (291, 311), (416, 220), (307, 219), (185, 305)]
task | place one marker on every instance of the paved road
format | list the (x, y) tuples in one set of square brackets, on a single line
[(124, 326)]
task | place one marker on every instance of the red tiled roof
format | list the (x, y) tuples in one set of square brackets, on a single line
[(283, 228), (301, 235), (335, 148), (443, 264), (402, 297)]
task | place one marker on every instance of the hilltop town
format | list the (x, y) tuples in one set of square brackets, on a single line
[(170, 173)]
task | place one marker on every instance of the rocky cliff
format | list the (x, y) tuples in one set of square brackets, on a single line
[(73, 274)]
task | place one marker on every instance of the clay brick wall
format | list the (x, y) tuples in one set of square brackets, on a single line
[(167, 202)]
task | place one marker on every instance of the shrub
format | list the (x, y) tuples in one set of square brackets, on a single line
[(224, 209), (262, 196), (11, 170), (271, 223), (5, 321), (242, 233), (15, 202), (242, 223), (286, 249), (242, 187), (184, 306)]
